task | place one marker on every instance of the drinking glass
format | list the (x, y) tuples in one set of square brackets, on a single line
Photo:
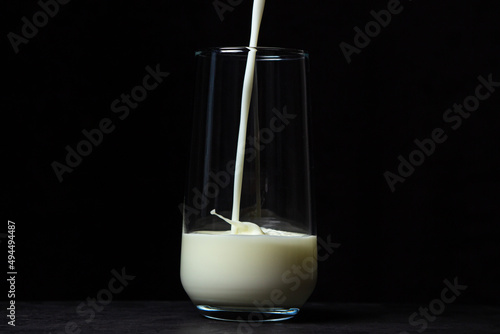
[(242, 277)]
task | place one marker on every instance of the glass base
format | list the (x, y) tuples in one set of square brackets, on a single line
[(242, 314)]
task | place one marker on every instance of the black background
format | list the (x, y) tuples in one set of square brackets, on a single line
[(119, 207)]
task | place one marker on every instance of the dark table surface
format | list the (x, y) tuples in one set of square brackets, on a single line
[(160, 317)]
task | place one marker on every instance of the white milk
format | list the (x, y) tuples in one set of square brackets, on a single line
[(266, 271)]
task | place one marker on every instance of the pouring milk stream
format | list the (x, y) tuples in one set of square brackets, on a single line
[(238, 227)]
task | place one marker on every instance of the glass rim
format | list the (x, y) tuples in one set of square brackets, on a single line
[(262, 51)]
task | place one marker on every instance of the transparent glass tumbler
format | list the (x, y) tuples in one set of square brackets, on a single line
[(242, 277)]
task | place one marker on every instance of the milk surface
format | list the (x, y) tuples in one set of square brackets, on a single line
[(277, 269)]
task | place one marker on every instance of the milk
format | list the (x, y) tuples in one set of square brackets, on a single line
[(251, 271)]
